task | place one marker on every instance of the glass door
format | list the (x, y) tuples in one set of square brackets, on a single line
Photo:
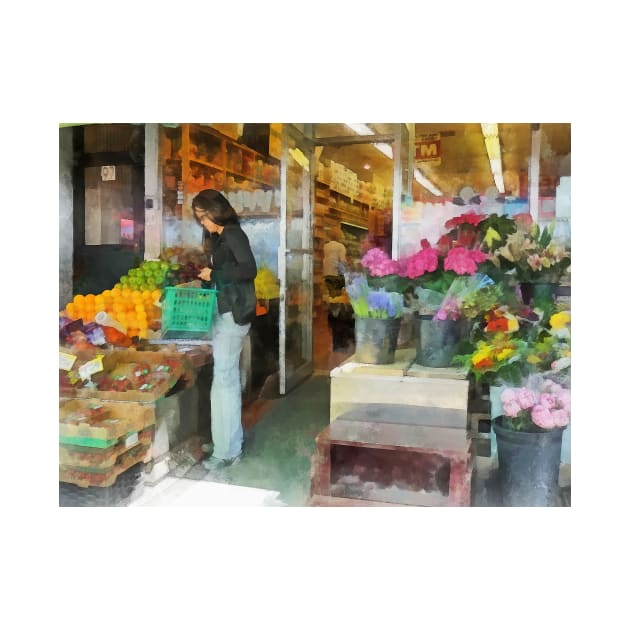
[(295, 258)]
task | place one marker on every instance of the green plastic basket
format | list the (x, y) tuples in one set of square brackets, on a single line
[(187, 313)]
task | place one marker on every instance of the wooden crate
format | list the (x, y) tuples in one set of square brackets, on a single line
[(389, 463), (398, 394)]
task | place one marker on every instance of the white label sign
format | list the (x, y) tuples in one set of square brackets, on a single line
[(131, 439), (91, 367), (66, 361)]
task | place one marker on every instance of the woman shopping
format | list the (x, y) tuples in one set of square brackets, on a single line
[(231, 271)]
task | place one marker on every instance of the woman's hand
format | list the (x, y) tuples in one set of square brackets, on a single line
[(205, 274)]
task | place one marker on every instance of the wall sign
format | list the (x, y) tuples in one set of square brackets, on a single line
[(428, 149)]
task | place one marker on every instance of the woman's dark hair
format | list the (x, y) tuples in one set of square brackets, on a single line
[(213, 203)]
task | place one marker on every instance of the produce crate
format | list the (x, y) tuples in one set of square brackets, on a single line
[(71, 495), (187, 313), (122, 418), (92, 459), (122, 362), (107, 477)]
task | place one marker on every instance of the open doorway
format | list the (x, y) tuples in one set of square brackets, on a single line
[(352, 213)]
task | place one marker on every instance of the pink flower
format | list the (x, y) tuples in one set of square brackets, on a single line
[(548, 401), (463, 261), (508, 395), (511, 408), (424, 261), (564, 399), (525, 397), (560, 417), (378, 263), (551, 386), (541, 416)]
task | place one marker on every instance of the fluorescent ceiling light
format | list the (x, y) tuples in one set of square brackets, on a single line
[(364, 130), (386, 149), (423, 181), (361, 128), (493, 148)]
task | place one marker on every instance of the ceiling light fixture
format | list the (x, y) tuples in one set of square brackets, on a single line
[(491, 138), (363, 130), (423, 181)]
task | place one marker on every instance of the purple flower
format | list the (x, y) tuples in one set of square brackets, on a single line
[(541, 416), (511, 408), (548, 401), (560, 417), (378, 300), (526, 397)]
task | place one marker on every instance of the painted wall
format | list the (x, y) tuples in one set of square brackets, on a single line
[(65, 217)]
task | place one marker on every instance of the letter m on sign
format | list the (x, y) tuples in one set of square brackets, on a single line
[(428, 149)]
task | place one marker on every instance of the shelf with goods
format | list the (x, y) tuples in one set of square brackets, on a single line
[(196, 157)]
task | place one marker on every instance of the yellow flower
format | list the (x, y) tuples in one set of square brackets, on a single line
[(512, 322), (480, 355), (533, 359), (506, 353), (560, 320), (491, 236)]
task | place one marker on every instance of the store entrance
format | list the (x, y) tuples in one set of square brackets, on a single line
[(352, 213), (108, 204)]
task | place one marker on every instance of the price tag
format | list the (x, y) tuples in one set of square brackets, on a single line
[(66, 361), (131, 439), (91, 367)]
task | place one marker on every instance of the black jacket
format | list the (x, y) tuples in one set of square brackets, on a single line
[(233, 271)]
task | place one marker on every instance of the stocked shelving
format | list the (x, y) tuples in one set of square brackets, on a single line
[(196, 157)]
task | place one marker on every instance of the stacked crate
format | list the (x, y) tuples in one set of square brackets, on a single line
[(105, 435), (98, 442), (398, 435)]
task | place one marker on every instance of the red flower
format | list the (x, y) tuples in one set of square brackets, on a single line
[(469, 217), (497, 325)]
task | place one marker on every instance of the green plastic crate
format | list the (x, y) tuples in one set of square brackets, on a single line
[(187, 313)]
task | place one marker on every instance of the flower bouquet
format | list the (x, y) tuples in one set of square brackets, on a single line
[(378, 315), (529, 440), (539, 405), (498, 357), (534, 255), (371, 303)]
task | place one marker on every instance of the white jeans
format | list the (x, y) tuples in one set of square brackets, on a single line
[(225, 392)]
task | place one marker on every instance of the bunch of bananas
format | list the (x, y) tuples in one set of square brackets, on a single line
[(266, 284)]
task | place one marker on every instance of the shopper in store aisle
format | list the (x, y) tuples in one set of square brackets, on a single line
[(334, 253), (340, 319), (231, 272)]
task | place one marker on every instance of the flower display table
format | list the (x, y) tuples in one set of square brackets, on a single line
[(401, 392), (397, 436)]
